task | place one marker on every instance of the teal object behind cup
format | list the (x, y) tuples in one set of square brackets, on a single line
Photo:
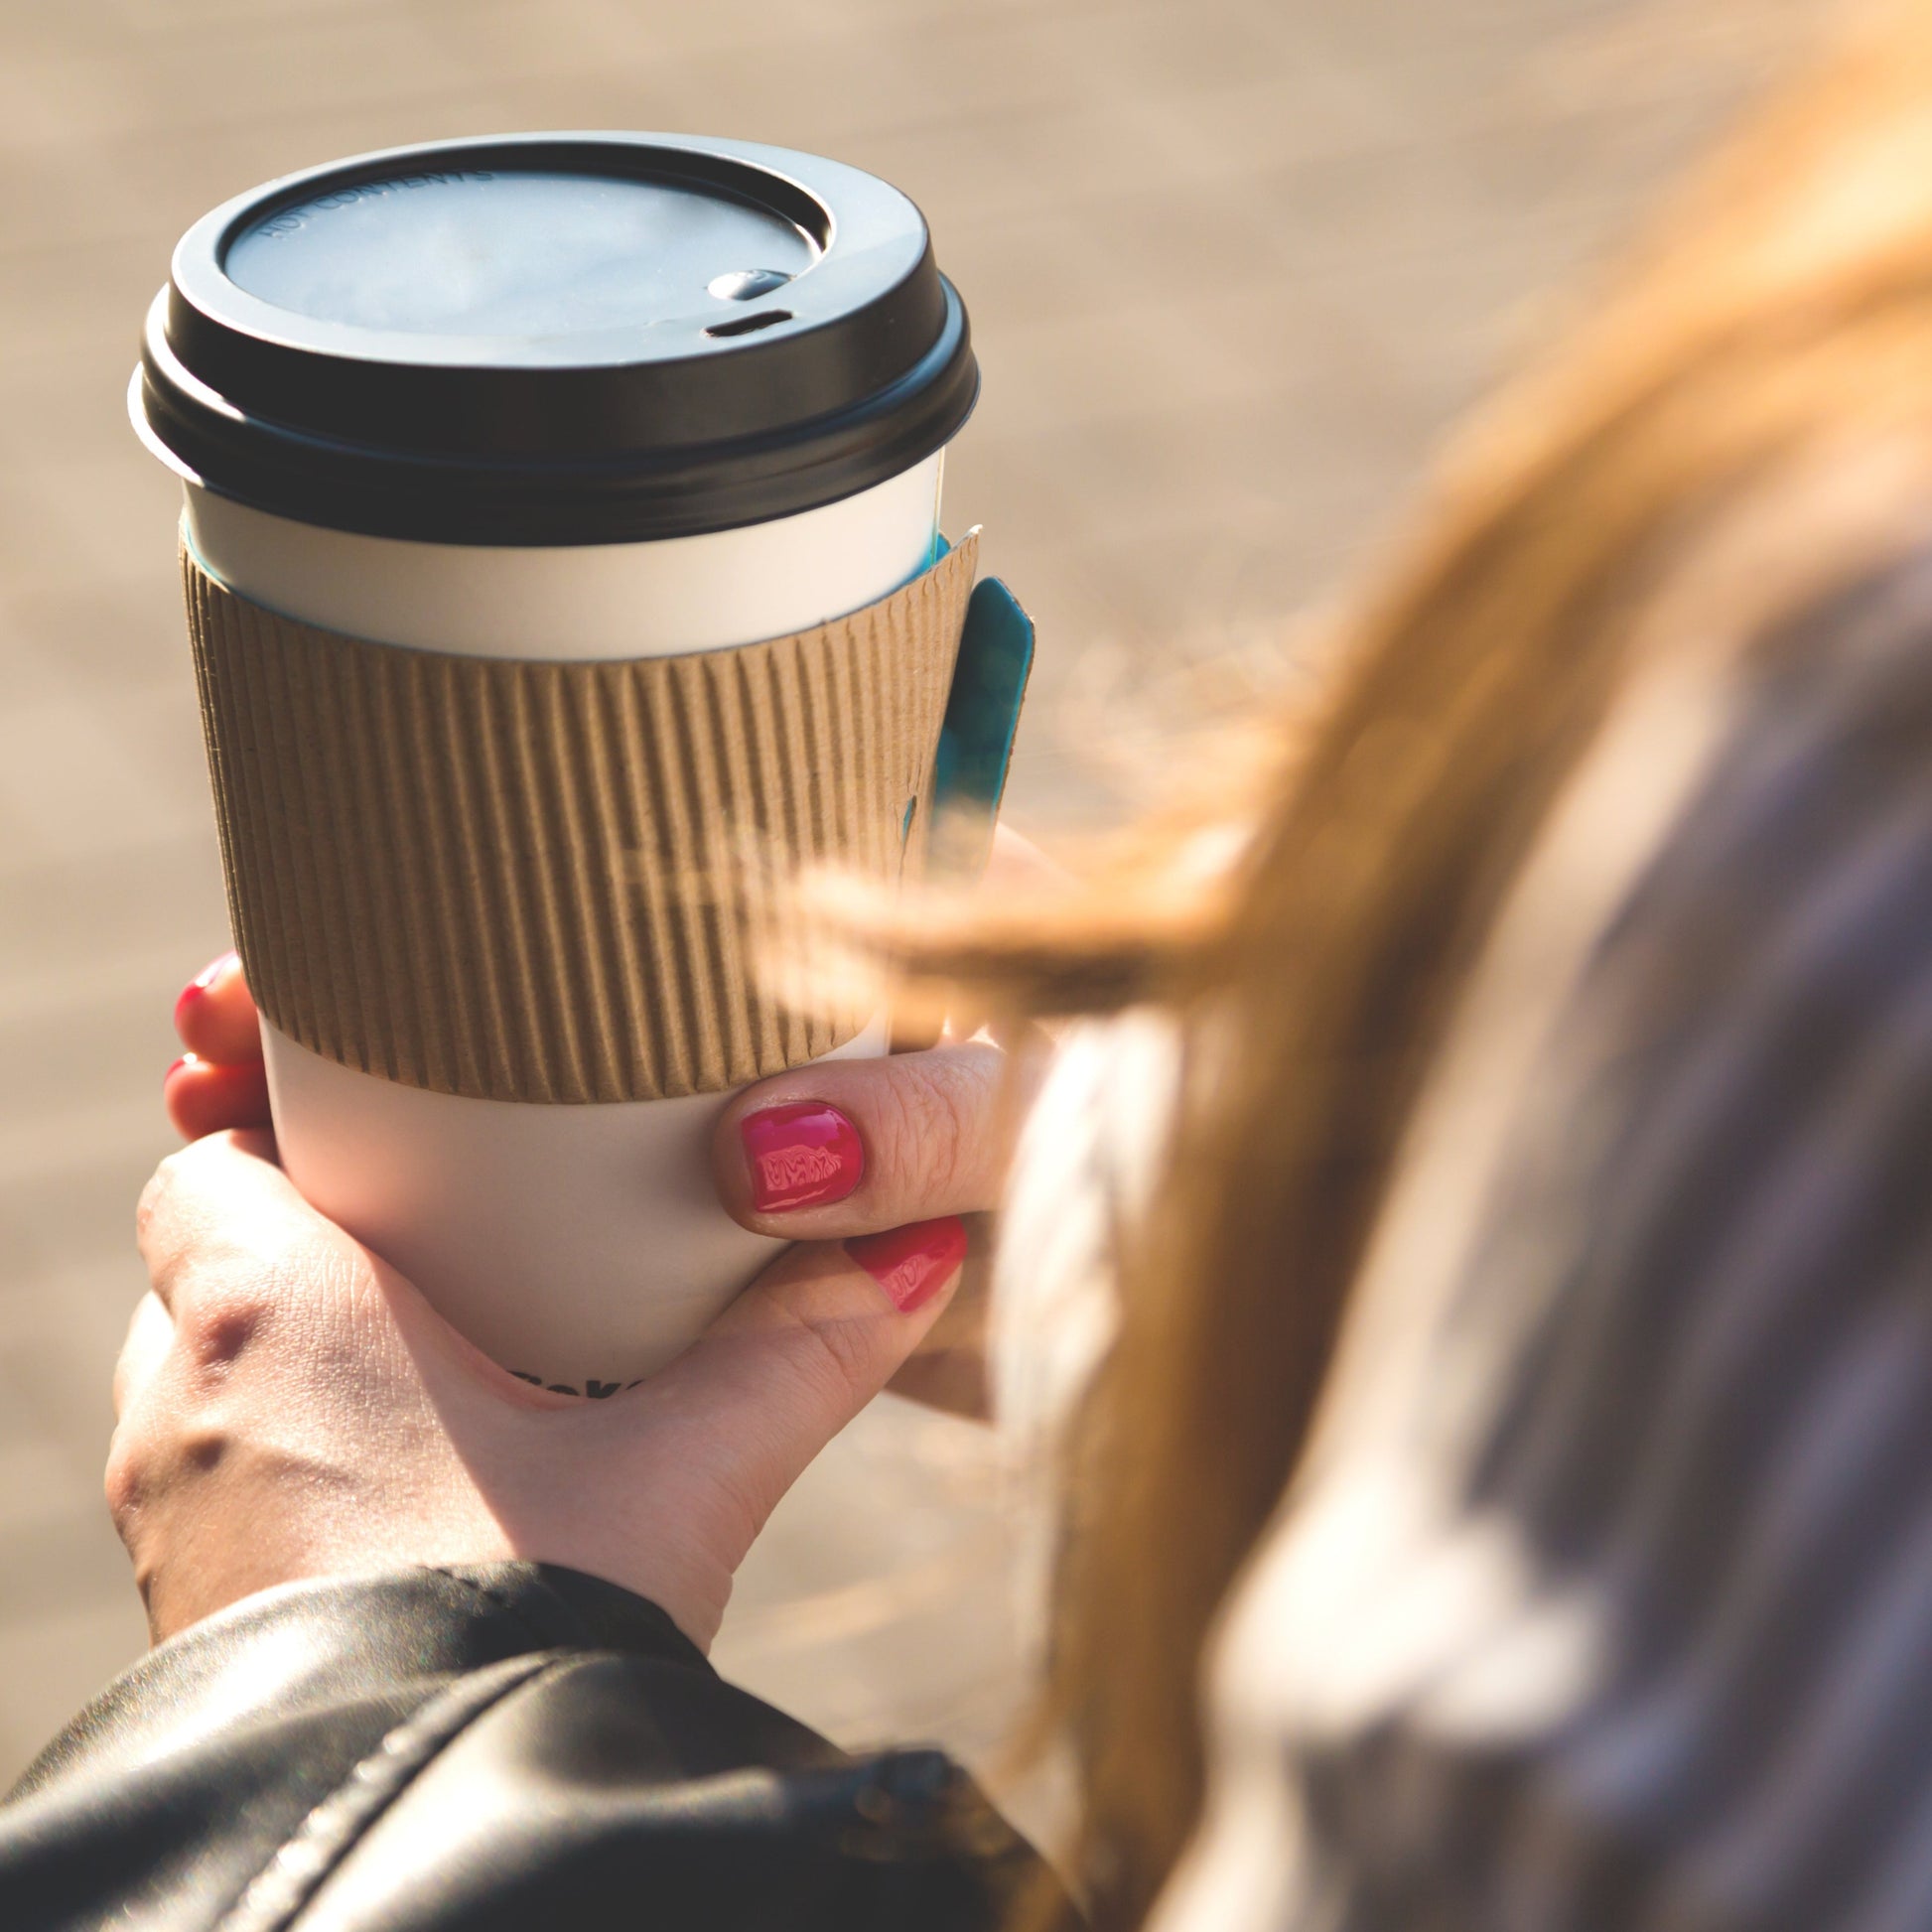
[(976, 738)]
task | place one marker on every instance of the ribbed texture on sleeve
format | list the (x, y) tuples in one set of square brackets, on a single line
[(540, 881)]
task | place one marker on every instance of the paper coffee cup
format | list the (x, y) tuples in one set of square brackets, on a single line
[(576, 416)]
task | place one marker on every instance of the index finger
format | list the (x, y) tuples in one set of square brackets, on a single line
[(215, 1015)]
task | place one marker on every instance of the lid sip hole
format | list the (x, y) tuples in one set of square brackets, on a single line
[(749, 325)]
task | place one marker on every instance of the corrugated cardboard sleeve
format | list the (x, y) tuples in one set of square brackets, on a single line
[(536, 880)]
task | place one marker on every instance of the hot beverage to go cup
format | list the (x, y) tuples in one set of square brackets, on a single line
[(560, 543)]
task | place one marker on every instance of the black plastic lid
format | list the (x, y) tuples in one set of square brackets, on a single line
[(552, 339)]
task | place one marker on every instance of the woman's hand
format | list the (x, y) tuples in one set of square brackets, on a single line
[(844, 1151), (291, 1407)]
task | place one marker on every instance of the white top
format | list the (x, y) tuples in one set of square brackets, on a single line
[(1603, 1597)]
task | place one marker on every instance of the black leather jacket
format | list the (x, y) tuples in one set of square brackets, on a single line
[(506, 1746)]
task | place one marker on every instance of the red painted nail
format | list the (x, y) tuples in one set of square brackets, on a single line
[(913, 1264), (191, 995), (801, 1154), (195, 990)]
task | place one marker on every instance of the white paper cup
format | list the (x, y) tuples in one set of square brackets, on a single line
[(582, 1244), (564, 397)]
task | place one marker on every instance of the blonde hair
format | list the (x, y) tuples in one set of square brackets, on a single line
[(1783, 312)]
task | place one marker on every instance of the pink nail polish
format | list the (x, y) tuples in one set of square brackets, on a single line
[(913, 1264), (801, 1154), (195, 990), (191, 995)]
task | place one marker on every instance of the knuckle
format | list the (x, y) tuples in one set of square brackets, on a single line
[(173, 1229), (841, 1362), (150, 1463), (892, 1139), (150, 1209), (914, 1135), (220, 1326), (232, 1289), (124, 1480), (203, 1447), (833, 1356), (845, 1352), (147, 1580), (931, 1125)]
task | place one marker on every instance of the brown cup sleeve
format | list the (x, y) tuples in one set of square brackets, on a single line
[(537, 881)]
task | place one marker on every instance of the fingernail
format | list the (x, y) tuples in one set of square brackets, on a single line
[(913, 1264), (801, 1154), (197, 988), (187, 1059), (192, 995)]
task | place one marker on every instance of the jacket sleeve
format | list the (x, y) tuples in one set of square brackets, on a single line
[(510, 1746)]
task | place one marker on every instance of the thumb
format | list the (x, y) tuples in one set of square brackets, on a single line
[(804, 1349)]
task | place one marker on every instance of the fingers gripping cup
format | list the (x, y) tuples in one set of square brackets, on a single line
[(561, 547)]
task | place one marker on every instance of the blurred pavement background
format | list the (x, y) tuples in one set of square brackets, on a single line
[(1232, 265)]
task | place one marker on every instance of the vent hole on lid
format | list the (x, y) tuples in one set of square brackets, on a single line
[(749, 325), (747, 284)]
